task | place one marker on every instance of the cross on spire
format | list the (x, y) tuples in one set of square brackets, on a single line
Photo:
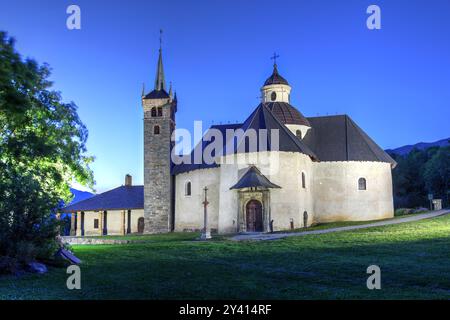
[(160, 82), (274, 58)]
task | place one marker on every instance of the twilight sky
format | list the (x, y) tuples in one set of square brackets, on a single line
[(394, 82)]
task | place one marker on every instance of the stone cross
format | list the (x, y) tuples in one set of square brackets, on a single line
[(206, 232)]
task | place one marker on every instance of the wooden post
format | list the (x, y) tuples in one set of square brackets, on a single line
[(82, 223), (123, 222), (206, 233), (73, 222), (100, 223), (105, 223)]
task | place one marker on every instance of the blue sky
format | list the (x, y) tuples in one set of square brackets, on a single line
[(394, 82)]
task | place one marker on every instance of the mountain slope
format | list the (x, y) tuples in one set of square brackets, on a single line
[(421, 146)]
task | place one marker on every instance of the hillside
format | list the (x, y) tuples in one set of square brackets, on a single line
[(421, 146)]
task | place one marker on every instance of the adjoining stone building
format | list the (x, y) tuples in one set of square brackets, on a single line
[(321, 169), (118, 211)]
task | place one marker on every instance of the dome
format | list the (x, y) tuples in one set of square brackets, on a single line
[(275, 78), (286, 113)]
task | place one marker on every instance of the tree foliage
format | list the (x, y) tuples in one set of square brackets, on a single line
[(42, 150), (419, 173)]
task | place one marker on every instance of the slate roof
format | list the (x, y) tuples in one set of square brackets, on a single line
[(275, 78), (157, 94), (121, 198), (338, 138), (263, 118), (254, 178), (185, 167), (331, 138), (287, 113)]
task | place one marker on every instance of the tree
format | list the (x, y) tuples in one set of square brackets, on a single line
[(437, 174), (419, 173), (408, 181), (42, 150)]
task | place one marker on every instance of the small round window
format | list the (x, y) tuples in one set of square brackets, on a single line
[(273, 96)]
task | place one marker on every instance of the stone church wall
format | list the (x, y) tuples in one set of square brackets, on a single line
[(291, 201), (189, 209), (281, 168), (336, 194), (330, 194)]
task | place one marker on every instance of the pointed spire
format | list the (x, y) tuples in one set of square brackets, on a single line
[(160, 82), (143, 89), (175, 96), (170, 89)]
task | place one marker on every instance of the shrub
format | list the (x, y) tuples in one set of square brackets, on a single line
[(8, 265), (403, 211)]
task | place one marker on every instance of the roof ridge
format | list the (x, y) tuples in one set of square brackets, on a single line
[(367, 139), (98, 195), (303, 147)]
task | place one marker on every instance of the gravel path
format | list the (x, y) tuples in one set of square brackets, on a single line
[(275, 236)]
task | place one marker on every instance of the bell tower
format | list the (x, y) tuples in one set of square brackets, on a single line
[(159, 122)]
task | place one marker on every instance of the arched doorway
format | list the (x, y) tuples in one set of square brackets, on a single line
[(254, 216), (141, 225)]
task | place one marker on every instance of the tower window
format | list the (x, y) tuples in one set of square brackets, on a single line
[(298, 133), (153, 112), (159, 111), (362, 184), (273, 96), (187, 189), (95, 223), (156, 130), (303, 180)]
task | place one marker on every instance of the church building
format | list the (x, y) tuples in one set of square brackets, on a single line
[(313, 170)]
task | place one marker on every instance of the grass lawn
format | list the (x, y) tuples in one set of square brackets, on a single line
[(330, 225), (414, 260)]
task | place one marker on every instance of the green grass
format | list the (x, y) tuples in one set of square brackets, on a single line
[(330, 225), (414, 260)]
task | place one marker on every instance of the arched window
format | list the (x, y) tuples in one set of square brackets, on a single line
[(156, 129), (159, 111), (153, 112), (362, 184), (187, 189), (303, 180), (273, 96), (298, 133)]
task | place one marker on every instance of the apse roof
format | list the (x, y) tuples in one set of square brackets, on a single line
[(339, 138), (263, 118)]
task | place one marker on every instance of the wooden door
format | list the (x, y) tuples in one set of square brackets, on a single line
[(141, 225), (254, 216)]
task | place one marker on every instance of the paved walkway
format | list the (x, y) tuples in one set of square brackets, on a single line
[(275, 236)]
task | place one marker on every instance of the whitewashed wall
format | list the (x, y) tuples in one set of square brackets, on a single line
[(281, 168), (336, 194), (189, 209), (114, 222), (331, 192), (291, 201)]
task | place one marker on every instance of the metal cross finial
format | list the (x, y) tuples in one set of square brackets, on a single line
[(274, 58), (160, 38)]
